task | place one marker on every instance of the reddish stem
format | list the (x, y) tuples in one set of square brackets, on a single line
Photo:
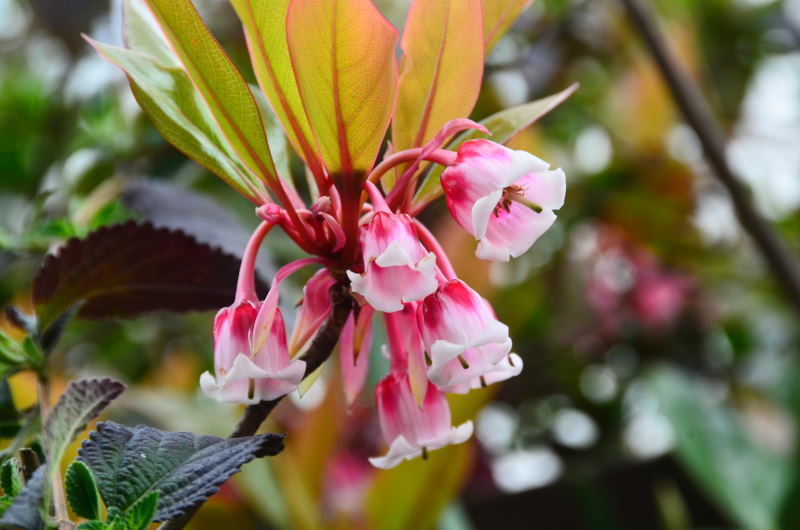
[(246, 285)]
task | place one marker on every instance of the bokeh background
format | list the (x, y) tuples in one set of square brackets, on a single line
[(662, 382)]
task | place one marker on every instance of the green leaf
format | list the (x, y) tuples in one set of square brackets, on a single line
[(24, 511), (11, 352), (219, 82), (82, 491), (745, 478), (92, 525), (503, 126), (80, 403), (139, 515), (5, 502), (185, 468), (11, 478), (168, 97), (132, 268)]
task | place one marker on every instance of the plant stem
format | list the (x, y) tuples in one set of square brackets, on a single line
[(58, 498), (698, 114), (320, 350)]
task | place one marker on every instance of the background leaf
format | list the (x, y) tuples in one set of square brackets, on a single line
[(498, 15), (343, 57), (441, 69), (80, 403), (185, 468), (131, 268), (744, 477), (81, 491), (24, 510), (503, 126)]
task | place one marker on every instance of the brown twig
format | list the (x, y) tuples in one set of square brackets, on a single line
[(698, 114), (320, 350)]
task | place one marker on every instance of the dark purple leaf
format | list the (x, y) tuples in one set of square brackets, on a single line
[(131, 268)]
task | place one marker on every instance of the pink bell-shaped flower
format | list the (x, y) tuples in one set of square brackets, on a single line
[(397, 268), (243, 375), (467, 345), (505, 198), (412, 430)]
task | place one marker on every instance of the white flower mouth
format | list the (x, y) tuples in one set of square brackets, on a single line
[(401, 449), (244, 369)]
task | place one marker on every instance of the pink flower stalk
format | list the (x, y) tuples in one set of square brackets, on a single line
[(505, 198), (242, 374), (468, 346), (397, 268), (412, 430), (354, 346), (314, 309)]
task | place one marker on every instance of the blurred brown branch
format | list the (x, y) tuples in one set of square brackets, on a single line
[(698, 114)]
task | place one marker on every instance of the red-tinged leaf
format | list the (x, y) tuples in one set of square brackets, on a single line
[(265, 30), (342, 53), (498, 15), (219, 82), (441, 69), (129, 269)]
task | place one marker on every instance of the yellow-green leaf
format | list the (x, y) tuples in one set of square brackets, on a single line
[(168, 97), (265, 30), (498, 15), (441, 69), (219, 82), (502, 126), (342, 53)]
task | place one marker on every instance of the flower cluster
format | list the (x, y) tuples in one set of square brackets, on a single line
[(328, 69), (443, 336)]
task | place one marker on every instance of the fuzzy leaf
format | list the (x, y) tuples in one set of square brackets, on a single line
[(138, 517), (11, 478), (498, 15), (185, 468), (24, 510), (441, 69), (265, 30), (342, 52), (131, 268), (92, 525), (219, 82), (80, 403), (82, 491), (503, 126)]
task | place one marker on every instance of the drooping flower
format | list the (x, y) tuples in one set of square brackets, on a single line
[(242, 374), (503, 197), (397, 268), (412, 430), (468, 346)]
